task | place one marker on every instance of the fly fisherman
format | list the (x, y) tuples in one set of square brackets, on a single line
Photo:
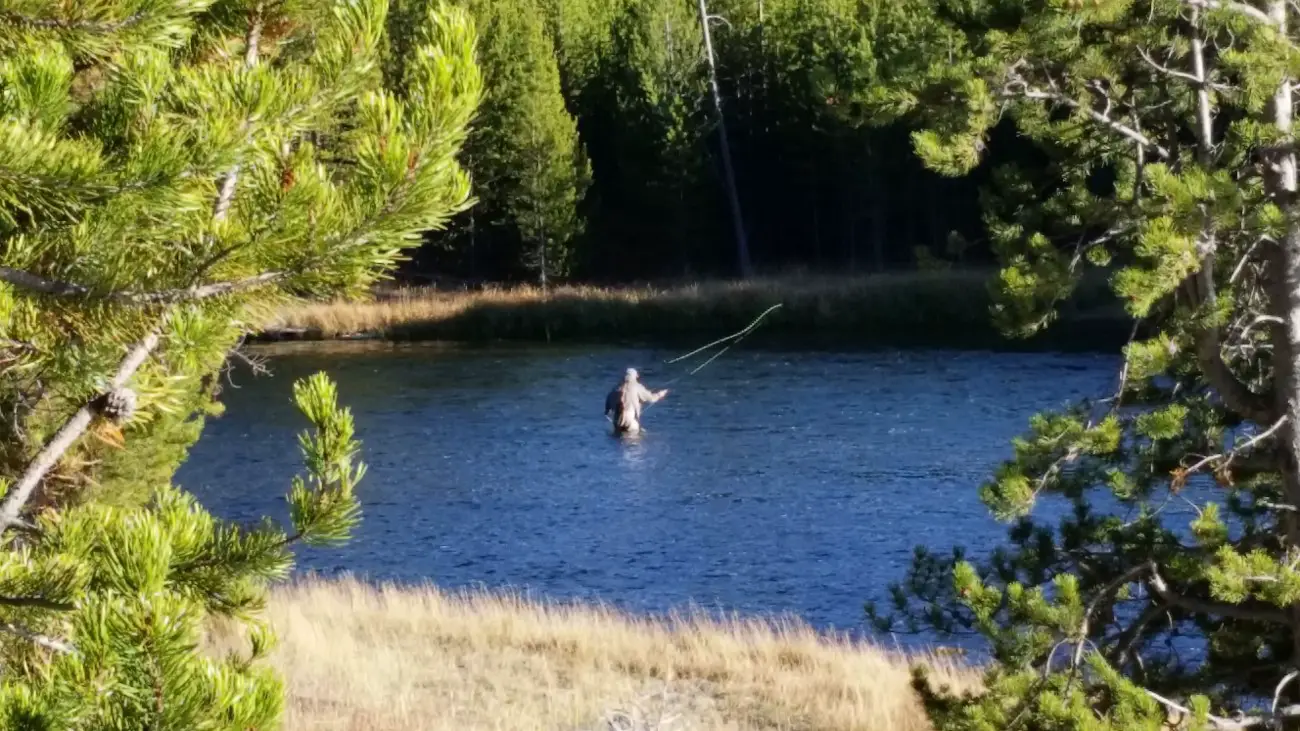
[(625, 402)]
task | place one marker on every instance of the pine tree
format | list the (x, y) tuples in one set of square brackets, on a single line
[(633, 72), (657, 59), (791, 64), (529, 167), (169, 169), (551, 176), (1169, 130)]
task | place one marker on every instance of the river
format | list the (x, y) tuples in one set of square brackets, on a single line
[(770, 482)]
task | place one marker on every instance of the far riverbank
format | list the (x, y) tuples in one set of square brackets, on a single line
[(948, 309)]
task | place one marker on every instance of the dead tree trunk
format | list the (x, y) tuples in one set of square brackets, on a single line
[(737, 219)]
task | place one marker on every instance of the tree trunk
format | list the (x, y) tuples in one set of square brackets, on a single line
[(879, 229), (852, 224), (1285, 303), (680, 227), (937, 215), (816, 227), (541, 258), (737, 219), (915, 238), (473, 238)]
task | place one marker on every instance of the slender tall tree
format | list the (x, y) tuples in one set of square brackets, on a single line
[(552, 174), (658, 51), (524, 153), (744, 262)]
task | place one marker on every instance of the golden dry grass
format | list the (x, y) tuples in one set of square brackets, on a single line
[(361, 658), (938, 307), (408, 307)]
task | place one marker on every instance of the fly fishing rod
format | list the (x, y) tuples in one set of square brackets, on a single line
[(729, 340)]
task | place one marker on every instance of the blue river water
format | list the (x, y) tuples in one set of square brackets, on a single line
[(770, 482)]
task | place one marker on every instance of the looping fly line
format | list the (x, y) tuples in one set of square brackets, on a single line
[(731, 340)]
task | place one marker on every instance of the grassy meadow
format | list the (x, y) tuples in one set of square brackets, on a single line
[(357, 657), (941, 308)]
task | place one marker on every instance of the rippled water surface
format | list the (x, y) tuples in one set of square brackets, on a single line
[(769, 482)]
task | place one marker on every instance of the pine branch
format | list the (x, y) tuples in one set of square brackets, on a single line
[(1236, 396), (1204, 606), (16, 499), (97, 26), (206, 291), (1249, 11), (1162, 590), (1105, 120), (35, 602), (43, 640), (1166, 70), (227, 189), (1132, 634), (1236, 450), (36, 283), (1281, 686), (226, 194), (1200, 288), (252, 41), (1246, 723)]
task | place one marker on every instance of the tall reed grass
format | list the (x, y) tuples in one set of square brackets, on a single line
[(364, 658), (946, 308)]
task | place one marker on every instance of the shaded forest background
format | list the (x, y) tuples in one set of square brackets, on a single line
[(596, 153)]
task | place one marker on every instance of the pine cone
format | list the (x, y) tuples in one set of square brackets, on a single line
[(118, 406)]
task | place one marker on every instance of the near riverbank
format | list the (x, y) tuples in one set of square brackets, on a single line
[(939, 309), (360, 658)]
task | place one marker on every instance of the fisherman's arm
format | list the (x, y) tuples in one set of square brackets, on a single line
[(649, 397)]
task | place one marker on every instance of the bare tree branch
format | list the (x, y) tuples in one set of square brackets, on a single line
[(1245, 259), (16, 499), (255, 364), (1200, 287), (1166, 70), (1249, 11), (35, 283), (1246, 723), (206, 291), (1204, 606), (225, 193), (1204, 112), (1129, 638), (1281, 686), (1115, 125), (35, 602), (37, 638), (96, 26), (226, 190), (1232, 453)]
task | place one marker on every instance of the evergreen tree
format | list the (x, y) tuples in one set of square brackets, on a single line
[(791, 66), (644, 117), (552, 174), (168, 170), (524, 152), (1168, 127), (814, 184)]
